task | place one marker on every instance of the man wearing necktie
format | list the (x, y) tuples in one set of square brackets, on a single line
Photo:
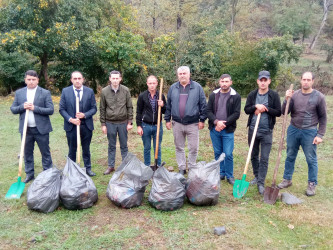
[(39, 102), (84, 118)]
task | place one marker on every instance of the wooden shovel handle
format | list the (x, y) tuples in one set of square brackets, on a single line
[(158, 120), (252, 142), (78, 138), (282, 138), (24, 135)]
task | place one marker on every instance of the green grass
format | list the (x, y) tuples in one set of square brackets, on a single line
[(250, 223)]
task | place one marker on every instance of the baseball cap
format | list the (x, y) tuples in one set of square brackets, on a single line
[(264, 74)]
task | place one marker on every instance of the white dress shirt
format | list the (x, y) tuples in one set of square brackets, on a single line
[(30, 99)]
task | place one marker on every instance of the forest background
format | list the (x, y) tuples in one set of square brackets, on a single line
[(139, 38)]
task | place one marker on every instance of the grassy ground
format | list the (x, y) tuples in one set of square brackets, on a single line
[(249, 222)]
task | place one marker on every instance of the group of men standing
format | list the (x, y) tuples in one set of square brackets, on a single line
[(185, 111)]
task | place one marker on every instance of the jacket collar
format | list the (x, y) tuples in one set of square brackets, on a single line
[(232, 91)]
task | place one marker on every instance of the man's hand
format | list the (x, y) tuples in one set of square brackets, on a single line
[(104, 129), (129, 126), (80, 115), (140, 131), (260, 108), (220, 125), (28, 105), (317, 140), (160, 103), (75, 121), (289, 93), (201, 125), (168, 125)]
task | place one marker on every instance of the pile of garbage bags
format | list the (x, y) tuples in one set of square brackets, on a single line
[(203, 184), (168, 190), (73, 187), (128, 184)]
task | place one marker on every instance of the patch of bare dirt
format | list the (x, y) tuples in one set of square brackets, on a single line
[(110, 217)]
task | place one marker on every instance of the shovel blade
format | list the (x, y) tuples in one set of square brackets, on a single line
[(240, 188), (16, 189), (271, 194)]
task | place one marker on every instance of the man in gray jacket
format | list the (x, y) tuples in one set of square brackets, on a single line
[(39, 102), (186, 106), (116, 115)]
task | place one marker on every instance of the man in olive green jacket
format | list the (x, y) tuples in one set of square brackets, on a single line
[(116, 115)]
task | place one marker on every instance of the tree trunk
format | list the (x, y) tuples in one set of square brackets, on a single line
[(234, 4), (43, 71), (179, 17), (326, 5)]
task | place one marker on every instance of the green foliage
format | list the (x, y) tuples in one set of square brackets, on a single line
[(291, 20), (12, 69)]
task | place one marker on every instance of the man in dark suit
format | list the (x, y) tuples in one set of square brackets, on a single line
[(67, 108), (39, 102)]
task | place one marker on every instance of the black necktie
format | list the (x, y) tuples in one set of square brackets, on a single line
[(78, 93)]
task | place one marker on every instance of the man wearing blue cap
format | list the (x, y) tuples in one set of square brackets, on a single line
[(267, 102)]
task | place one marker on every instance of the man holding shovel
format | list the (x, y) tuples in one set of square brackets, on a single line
[(39, 103), (223, 110), (146, 118), (186, 106), (308, 109), (84, 118), (267, 102)]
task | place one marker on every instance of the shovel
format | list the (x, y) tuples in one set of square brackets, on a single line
[(154, 167), (271, 193), (241, 186), (78, 138), (16, 189)]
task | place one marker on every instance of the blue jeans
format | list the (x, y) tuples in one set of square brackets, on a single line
[(223, 142), (149, 132), (301, 137)]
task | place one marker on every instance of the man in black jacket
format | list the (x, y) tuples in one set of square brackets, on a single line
[(267, 102), (146, 118), (223, 110)]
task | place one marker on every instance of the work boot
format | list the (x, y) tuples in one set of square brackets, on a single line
[(254, 181), (284, 184), (29, 178), (222, 177), (109, 170), (261, 189), (231, 181), (311, 190)]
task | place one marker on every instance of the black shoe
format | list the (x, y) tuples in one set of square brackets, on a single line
[(222, 177), (183, 172), (254, 181), (28, 178), (261, 189), (90, 173), (231, 181)]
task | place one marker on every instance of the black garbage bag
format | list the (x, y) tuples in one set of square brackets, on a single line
[(168, 190), (128, 184), (43, 193), (203, 183), (77, 190)]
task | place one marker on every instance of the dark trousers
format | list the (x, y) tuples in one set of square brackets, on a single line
[(260, 167), (112, 130), (85, 135), (43, 143)]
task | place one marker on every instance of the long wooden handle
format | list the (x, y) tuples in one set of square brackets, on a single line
[(252, 142), (282, 138), (24, 135), (158, 120), (78, 139)]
